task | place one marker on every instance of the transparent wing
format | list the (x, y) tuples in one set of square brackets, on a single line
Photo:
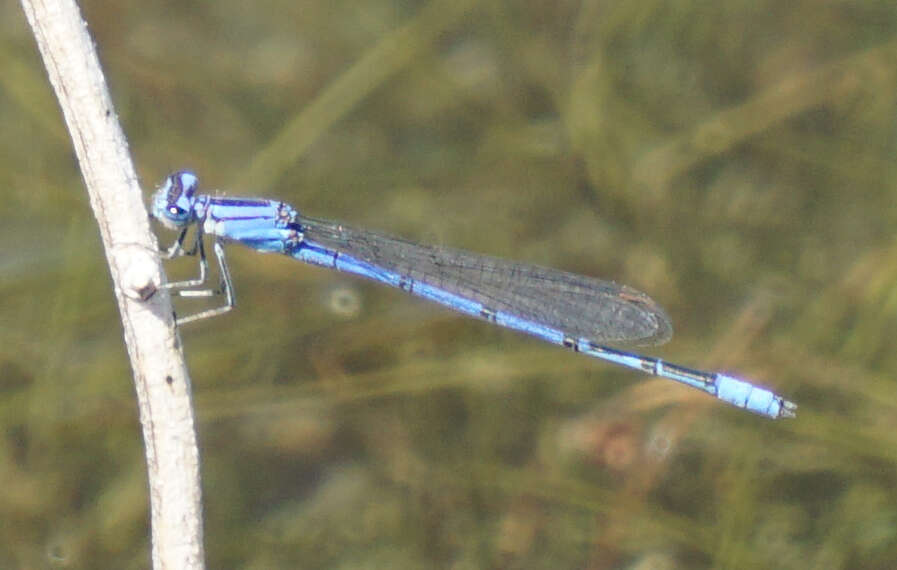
[(581, 306)]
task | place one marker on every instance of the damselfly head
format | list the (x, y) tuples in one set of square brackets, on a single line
[(173, 202)]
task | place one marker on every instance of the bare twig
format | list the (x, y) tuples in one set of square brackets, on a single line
[(160, 375)]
